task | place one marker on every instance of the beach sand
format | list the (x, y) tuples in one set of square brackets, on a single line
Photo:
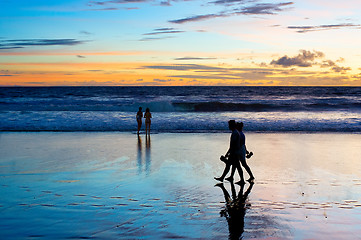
[(118, 186)]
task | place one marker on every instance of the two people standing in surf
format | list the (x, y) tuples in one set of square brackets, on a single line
[(147, 116)]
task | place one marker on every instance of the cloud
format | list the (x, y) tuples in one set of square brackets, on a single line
[(151, 39), (228, 2), (194, 58), (305, 29), (162, 80), (340, 69), (304, 59), (197, 18), (80, 56), (190, 76), (183, 67), (85, 32), (257, 9), (104, 9), (265, 8), (308, 59), (164, 31), (22, 43), (101, 3)]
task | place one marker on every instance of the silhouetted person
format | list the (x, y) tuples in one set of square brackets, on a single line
[(139, 118), (147, 116), (244, 151), (232, 154), (235, 209)]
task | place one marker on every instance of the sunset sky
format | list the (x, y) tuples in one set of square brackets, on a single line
[(180, 42)]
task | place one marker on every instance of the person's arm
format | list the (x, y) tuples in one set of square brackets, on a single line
[(231, 145)]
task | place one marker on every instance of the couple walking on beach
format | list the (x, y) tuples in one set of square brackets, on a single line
[(147, 116), (236, 154)]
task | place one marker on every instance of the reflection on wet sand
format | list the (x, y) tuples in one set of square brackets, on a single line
[(148, 159), (139, 155), (235, 209)]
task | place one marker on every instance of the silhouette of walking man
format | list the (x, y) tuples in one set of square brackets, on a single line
[(232, 154)]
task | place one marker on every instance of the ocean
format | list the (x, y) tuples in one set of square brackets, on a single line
[(181, 109)]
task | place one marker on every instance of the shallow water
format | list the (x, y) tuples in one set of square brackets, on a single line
[(119, 186)]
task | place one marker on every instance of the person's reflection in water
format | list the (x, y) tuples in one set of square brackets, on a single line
[(235, 209), (148, 159), (139, 155)]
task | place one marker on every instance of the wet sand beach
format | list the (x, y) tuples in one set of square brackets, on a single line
[(98, 185)]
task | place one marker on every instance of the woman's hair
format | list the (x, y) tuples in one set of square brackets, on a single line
[(147, 110)]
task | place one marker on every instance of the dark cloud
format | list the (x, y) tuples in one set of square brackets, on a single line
[(228, 2), (197, 18), (80, 56), (164, 29), (165, 3), (340, 69), (183, 67), (7, 75), (308, 59), (168, 31), (257, 9), (304, 59), (195, 58), (305, 29), (265, 8), (21, 43)]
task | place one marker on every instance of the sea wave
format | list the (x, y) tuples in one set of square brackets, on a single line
[(180, 122)]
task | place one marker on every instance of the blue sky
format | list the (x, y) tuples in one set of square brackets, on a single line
[(251, 42)]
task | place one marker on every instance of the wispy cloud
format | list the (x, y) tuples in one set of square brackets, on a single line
[(229, 2), (101, 3), (22, 43), (197, 18), (183, 67), (104, 9), (163, 31), (255, 9), (305, 29), (154, 38), (194, 58)]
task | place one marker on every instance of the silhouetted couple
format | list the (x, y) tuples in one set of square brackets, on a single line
[(236, 154), (147, 116)]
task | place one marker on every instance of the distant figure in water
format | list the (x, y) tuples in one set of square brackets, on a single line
[(232, 156), (139, 118), (147, 116), (235, 209)]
